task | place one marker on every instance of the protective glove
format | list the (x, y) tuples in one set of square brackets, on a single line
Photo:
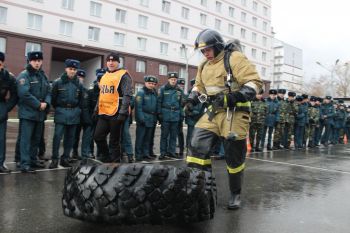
[(188, 108), (222, 100)]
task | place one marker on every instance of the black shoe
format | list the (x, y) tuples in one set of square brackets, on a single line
[(234, 202), (161, 157), (172, 156), (131, 159), (75, 155), (37, 165), (53, 164), (269, 148), (28, 170), (258, 150), (148, 157), (153, 155), (65, 163), (4, 170), (18, 164)]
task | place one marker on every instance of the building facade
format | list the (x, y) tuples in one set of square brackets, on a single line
[(152, 36), (288, 67)]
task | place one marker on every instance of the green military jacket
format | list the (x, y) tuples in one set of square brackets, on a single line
[(283, 110), (259, 112)]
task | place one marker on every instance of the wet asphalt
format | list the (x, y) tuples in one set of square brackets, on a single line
[(284, 191)]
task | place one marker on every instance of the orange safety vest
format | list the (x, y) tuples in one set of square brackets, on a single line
[(108, 101)]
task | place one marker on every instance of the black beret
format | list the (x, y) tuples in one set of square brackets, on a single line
[(328, 97), (281, 91), (273, 91), (150, 78), (2, 56), (291, 93), (35, 55), (341, 101), (113, 56), (81, 73), (181, 81), (299, 98), (193, 81), (173, 75), (72, 63), (305, 96), (100, 73), (319, 99), (313, 98)]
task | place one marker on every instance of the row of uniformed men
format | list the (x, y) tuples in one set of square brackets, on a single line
[(75, 110), (308, 121)]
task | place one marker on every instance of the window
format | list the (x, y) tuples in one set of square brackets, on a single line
[(255, 21), (166, 6), (2, 44), (244, 2), (264, 41), (231, 29), (217, 24), (254, 37), (93, 33), (255, 6), (254, 53), (164, 48), (203, 19), (30, 47), (265, 26), (34, 21), (265, 11), (143, 21), (120, 15), (163, 69), (164, 27), (185, 12), (218, 6), (243, 32), (119, 39), (66, 28), (204, 2), (243, 16), (121, 62), (243, 48), (184, 33), (68, 4), (182, 73), (95, 9), (183, 52), (140, 66), (231, 12), (3, 15), (141, 43), (263, 71), (263, 56), (144, 3)]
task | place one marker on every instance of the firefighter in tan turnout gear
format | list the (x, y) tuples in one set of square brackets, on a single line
[(228, 100)]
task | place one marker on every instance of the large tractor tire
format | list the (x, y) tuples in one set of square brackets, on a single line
[(139, 193)]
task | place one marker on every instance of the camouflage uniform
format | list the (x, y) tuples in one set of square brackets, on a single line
[(258, 114), (292, 110), (280, 126), (314, 116)]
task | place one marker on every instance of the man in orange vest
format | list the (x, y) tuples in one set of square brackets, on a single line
[(112, 109)]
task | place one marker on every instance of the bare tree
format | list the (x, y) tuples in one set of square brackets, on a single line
[(342, 79)]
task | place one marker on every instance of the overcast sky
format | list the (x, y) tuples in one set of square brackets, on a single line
[(320, 28)]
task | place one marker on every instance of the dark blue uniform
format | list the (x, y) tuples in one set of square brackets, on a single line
[(8, 99), (339, 124), (326, 121), (191, 118), (67, 99), (146, 119), (33, 89), (126, 137), (170, 112), (270, 121), (301, 120)]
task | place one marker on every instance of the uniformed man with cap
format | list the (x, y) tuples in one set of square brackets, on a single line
[(8, 100), (306, 129), (301, 120), (113, 109), (289, 127), (34, 94), (146, 117), (228, 114), (180, 134), (191, 118), (326, 119), (258, 115), (339, 123), (68, 100), (272, 117), (85, 123), (314, 115), (283, 120), (170, 112), (317, 135)]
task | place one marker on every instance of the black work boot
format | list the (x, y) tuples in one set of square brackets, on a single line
[(65, 163), (53, 164), (75, 155), (234, 202)]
